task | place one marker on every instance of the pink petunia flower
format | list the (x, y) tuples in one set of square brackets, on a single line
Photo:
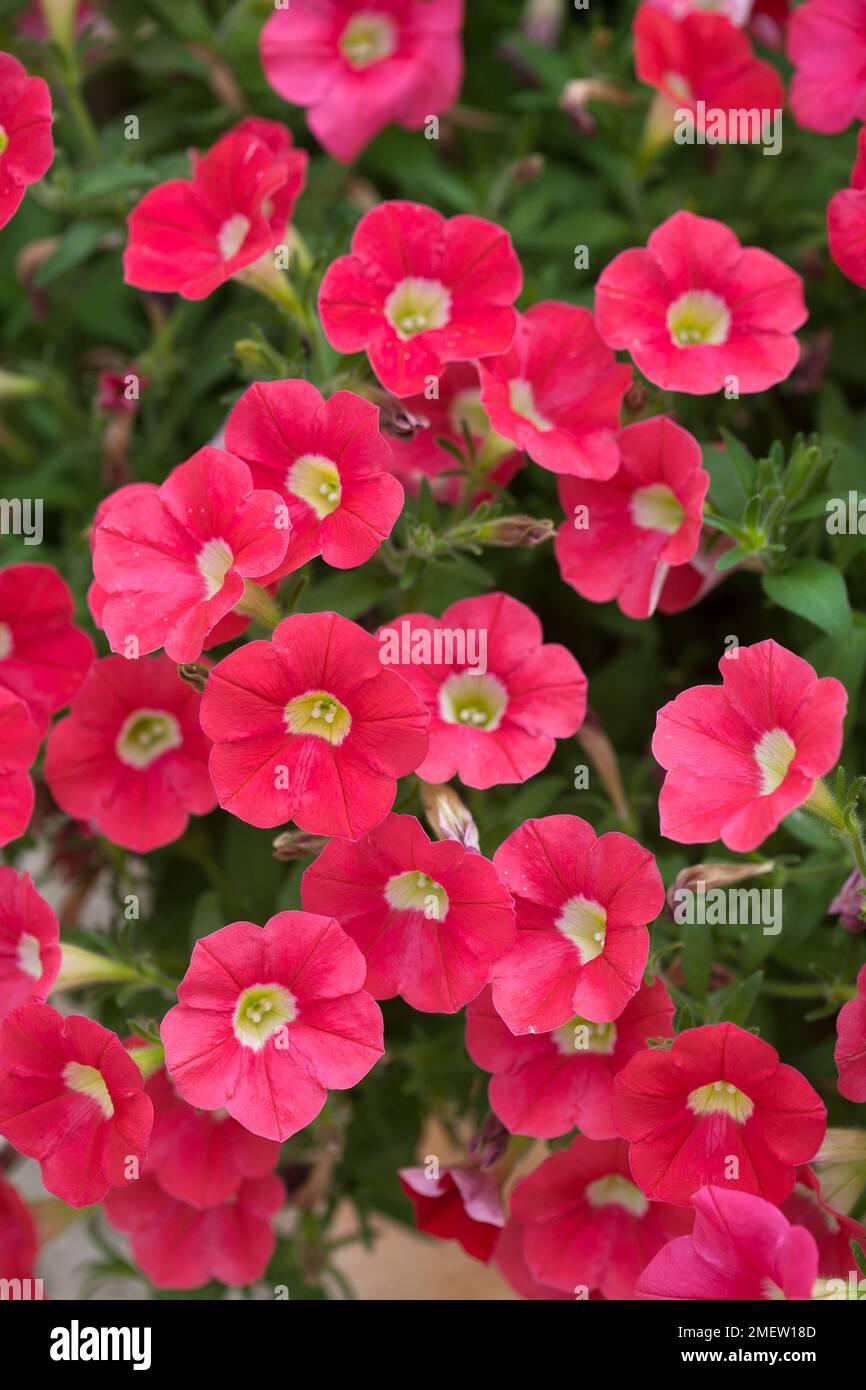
[(358, 66), (636, 527), (26, 142), (328, 460), (849, 902), (546, 1084), (586, 1225), (582, 903), (742, 1247), (851, 1044), (420, 290), (201, 1157), (742, 755), (846, 220), (310, 727), (429, 916), (462, 1204), (698, 311), (43, 656), (130, 756), (19, 744), (269, 1020), (511, 1261), (113, 395), (226, 630), (498, 697), (455, 407), (737, 11), (181, 1246), (189, 236), (833, 1230), (827, 46), (29, 943), (702, 63), (19, 1242), (718, 1107), (557, 392), (171, 561), (71, 1097)]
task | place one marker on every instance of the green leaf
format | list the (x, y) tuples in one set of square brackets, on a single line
[(75, 246), (814, 590), (744, 463), (735, 1003), (697, 958)]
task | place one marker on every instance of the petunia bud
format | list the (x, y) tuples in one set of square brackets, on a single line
[(576, 94), (700, 877), (849, 903), (448, 818), (541, 22), (597, 745), (297, 844), (510, 531), (489, 1144)]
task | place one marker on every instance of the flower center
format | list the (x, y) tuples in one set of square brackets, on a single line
[(6, 643), (522, 400), (582, 1036), (214, 561), (475, 700), (87, 1081), (29, 956), (416, 892), (698, 317), (617, 1191), (656, 508), (145, 735), (261, 1010), (317, 712), (417, 305), (584, 921), (368, 38), (721, 1098), (232, 235), (4, 140), (774, 753), (315, 479)]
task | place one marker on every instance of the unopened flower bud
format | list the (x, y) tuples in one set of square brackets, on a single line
[(577, 94), (447, 816), (602, 753), (850, 902), (489, 1143), (297, 844), (516, 531), (700, 877), (542, 21)]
